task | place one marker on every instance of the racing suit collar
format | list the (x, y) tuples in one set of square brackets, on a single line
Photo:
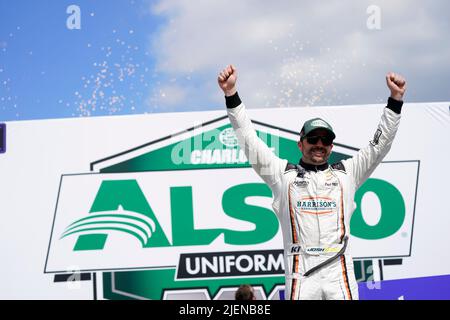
[(312, 167)]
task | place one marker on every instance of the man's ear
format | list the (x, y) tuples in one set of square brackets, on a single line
[(300, 145)]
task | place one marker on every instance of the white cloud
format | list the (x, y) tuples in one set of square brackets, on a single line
[(294, 53), (167, 95)]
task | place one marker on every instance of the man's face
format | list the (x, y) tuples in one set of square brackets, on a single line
[(315, 152)]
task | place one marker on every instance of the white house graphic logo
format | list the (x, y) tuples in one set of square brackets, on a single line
[(187, 217), (132, 223)]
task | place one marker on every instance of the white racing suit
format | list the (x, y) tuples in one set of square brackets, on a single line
[(314, 205)]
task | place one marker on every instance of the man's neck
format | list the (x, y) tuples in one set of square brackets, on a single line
[(313, 167)]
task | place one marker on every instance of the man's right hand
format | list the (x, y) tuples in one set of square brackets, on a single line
[(227, 80), (397, 84)]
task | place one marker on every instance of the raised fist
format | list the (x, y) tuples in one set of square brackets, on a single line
[(397, 84), (227, 80)]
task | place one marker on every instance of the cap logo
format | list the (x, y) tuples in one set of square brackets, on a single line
[(319, 123)]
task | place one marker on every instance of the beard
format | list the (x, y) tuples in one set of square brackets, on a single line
[(318, 155)]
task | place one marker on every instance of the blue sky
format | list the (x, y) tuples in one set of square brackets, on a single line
[(137, 56), (49, 71)]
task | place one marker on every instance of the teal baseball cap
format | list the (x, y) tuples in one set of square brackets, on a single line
[(316, 123)]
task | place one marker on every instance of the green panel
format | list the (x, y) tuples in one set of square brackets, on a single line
[(151, 284), (177, 156)]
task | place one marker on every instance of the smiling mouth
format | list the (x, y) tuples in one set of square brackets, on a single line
[(318, 153)]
